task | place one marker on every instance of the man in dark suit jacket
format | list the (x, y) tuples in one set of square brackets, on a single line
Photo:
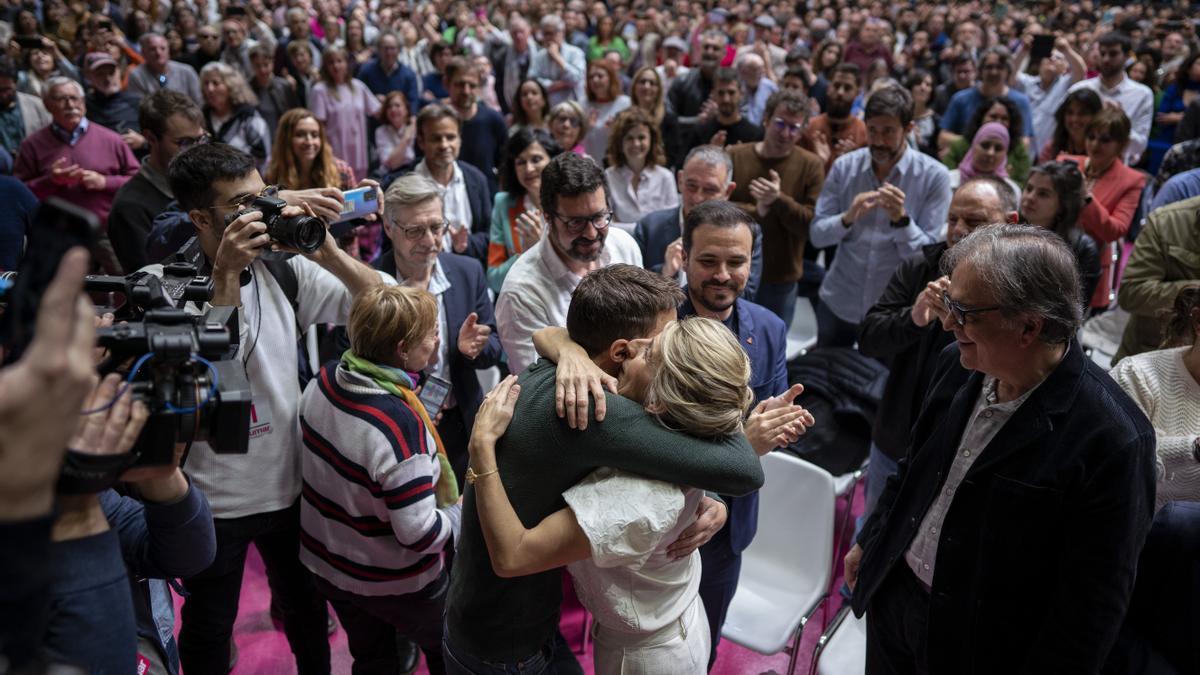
[(1009, 539), (414, 224), (706, 176)]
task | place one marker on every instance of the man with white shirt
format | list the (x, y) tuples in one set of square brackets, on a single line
[(537, 290), (1116, 89), (674, 49), (1048, 89), (560, 67), (751, 68)]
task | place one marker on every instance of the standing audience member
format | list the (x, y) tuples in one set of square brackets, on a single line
[(108, 104), (395, 138), (379, 503), (517, 221), (726, 125), (1023, 445), (1117, 90), (230, 113), (648, 93), (1154, 381), (531, 108), (1156, 273), (691, 94), (604, 102), (415, 224), (433, 85), (777, 185), (925, 119), (880, 204), (171, 123), (560, 67), (516, 50), (159, 71), (1070, 124), (483, 131), (1048, 88), (836, 132), (275, 94), (996, 69), (82, 163), (385, 74), (343, 104), (1052, 200), (578, 240), (637, 180), (208, 50), (304, 74), (758, 88)]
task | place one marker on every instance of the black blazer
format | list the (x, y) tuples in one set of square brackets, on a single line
[(657, 229), (479, 198), (468, 293), (1038, 550)]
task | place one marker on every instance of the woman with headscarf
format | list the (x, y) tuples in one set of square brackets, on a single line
[(987, 157)]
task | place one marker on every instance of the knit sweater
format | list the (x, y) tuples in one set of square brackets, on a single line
[(539, 458), (1164, 389), (99, 150), (368, 519)]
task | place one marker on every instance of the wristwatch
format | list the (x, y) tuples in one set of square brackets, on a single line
[(902, 221)]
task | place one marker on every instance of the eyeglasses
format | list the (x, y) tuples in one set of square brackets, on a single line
[(960, 312), (569, 121), (600, 221), (786, 127), (245, 201), (417, 232)]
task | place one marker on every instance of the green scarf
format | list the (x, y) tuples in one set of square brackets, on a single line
[(397, 382)]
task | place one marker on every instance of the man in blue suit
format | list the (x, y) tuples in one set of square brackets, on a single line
[(716, 247), (415, 222), (706, 176)]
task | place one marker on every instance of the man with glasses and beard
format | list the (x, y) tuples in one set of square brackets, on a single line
[(835, 132), (537, 290)]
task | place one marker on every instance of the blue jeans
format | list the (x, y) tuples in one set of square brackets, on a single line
[(780, 298), (554, 658)]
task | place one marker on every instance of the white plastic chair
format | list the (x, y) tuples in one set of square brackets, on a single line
[(842, 648), (785, 571), (802, 331)]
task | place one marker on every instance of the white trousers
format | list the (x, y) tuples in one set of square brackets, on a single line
[(680, 648)]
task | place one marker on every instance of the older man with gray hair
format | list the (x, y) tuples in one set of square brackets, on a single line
[(415, 222), (160, 72), (1009, 538), (559, 66)]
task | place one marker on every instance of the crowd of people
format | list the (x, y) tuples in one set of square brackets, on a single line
[(618, 206)]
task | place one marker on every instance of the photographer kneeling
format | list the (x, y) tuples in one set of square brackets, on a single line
[(254, 496)]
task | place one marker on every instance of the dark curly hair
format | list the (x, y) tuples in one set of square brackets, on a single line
[(626, 121), (1091, 103), (517, 143), (1178, 326), (1016, 121)]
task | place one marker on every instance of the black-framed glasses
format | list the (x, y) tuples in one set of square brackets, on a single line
[(417, 232), (577, 225), (960, 313), (245, 201)]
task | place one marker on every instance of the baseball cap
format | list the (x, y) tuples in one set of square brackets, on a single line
[(95, 60), (674, 42), (764, 21)]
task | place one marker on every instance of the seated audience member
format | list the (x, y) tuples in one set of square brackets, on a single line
[(995, 68), (171, 123), (880, 204), (569, 126), (726, 126), (637, 180), (904, 327), (275, 94), (1181, 157), (531, 109), (836, 132), (112, 556), (986, 157), (1111, 190), (604, 102), (1157, 271), (230, 113), (495, 622), (374, 463), (1000, 111), (926, 121), (343, 104), (1023, 445), (1180, 187), (559, 66), (537, 290), (159, 71), (108, 104), (481, 126), (1071, 121), (777, 183), (1135, 99), (1052, 200), (467, 199), (648, 94), (395, 138), (82, 163), (255, 496), (707, 175), (1155, 381), (21, 114), (415, 223), (517, 221)]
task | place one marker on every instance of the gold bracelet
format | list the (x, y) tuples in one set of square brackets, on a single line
[(472, 476)]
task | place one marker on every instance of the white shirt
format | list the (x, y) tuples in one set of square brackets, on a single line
[(630, 584), (1137, 101), (655, 191), (455, 205), (1044, 103), (680, 71), (439, 283), (596, 141), (537, 293)]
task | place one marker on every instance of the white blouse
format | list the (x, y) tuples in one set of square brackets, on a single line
[(655, 191), (630, 584)]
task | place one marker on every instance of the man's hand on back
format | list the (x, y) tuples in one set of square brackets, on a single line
[(710, 518)]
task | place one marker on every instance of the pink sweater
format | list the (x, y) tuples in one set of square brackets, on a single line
[(99, 150)]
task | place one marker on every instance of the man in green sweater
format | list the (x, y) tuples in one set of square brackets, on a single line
[(497, 625)]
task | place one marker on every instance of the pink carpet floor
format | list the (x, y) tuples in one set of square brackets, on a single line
[(264, 650)]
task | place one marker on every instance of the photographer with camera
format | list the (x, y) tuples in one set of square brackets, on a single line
[(254, 496)]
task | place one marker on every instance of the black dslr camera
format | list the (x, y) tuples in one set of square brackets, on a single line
[(303, 233)]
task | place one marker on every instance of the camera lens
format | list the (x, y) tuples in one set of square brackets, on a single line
[(303, 233)]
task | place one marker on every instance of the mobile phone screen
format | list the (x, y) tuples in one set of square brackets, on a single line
[(433, 394), (359, 203)]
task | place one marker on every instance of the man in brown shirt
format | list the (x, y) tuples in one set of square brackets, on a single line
[(778, 184), (836, 132)]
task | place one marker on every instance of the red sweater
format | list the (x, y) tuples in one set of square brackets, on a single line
[(99, 150)]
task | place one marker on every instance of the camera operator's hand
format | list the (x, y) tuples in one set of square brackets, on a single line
[(112, 431), (164, 484), (326, 203), (244, 239), (41, 395)]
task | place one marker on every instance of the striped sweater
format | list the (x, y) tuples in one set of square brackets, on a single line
[(368, 519)]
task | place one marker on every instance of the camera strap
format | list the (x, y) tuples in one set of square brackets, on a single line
[(85, 474)]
